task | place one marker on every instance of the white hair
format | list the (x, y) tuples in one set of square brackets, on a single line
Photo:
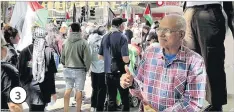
[(180, 21)]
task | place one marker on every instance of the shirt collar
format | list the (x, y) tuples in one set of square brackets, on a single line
[(113, 29), (179, 56)]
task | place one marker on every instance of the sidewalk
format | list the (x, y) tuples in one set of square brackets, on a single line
[(59, 104)]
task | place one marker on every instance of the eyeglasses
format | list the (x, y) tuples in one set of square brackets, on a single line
[(165, 31)]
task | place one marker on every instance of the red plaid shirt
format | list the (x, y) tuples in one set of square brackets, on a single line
[(177, 86)]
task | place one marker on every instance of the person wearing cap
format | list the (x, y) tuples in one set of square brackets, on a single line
[(76, 58), (37, 69), (114, 52), (9, 80), (128, 32)]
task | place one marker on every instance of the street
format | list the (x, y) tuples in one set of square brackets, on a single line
[(60, 89)]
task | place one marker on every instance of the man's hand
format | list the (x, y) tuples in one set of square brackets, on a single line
[(15, 107), (126, 79)]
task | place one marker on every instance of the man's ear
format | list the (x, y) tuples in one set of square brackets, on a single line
[(182, 34)]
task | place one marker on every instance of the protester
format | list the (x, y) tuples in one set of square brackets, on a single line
[(145, 32), (37, 69), (114, 52), (134, 54), (170, 78), (12, 37), (76, 58), (152, 39), (9, 80), (128, 32), (205, 35), (97, 71), (52, 40), (63, 32)]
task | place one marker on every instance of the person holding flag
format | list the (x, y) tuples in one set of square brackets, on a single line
[(170, 77)]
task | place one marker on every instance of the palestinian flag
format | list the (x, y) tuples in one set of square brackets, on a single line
[(147, 14), (134, 55), (25, 15)]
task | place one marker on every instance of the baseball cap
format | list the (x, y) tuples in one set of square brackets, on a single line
[(118, 21)]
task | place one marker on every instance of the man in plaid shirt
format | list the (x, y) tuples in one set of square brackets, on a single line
[(171, 77)]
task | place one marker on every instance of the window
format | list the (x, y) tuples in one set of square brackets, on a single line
[(118, 2), (96, 3), (61, 5)]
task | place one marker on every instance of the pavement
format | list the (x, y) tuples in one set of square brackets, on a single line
[(86, 104), (60, 89)]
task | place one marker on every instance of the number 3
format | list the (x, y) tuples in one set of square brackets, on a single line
[(19, 97)]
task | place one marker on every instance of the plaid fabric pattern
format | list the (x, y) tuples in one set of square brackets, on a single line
[(177, 86)]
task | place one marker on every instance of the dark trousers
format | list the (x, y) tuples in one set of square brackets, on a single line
[(37, 108), (113, 83), (208, 29), (99, 91)]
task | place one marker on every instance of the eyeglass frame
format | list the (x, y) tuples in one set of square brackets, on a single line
[(165, 33)]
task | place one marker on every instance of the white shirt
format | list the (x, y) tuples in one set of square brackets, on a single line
[(190, 4)]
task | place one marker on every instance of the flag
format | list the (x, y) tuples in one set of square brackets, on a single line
[(147, 14), (127, 11), (134, 53), (74, 13), (25, 15), (67, 15), (111, 15)]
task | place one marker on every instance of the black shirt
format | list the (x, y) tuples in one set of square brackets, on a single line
[(119, 47), (9, 80)]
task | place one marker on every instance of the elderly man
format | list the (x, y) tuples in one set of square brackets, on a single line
[(170, 78)]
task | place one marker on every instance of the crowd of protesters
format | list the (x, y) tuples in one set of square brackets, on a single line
[(164, 65)]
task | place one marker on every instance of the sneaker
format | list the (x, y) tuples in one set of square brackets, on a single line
[(73, 103), (93, 109)]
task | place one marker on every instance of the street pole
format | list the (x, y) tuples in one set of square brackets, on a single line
[(65, 11), (87, 12)]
